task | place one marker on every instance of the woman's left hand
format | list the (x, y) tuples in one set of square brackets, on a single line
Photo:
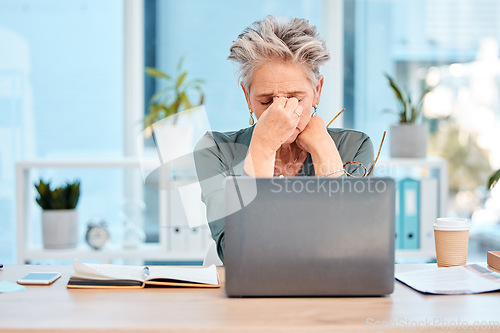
[(315, 140), (314, 137)]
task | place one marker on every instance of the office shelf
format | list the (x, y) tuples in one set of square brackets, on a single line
[(145, 252), (430, 167), (173, 236), (391, 167)]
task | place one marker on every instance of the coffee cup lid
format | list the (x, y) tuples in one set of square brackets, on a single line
[(451, 223)]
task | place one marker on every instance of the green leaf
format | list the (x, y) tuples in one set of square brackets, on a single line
[(176, 95), (185, 101), (72, 194), (42, 203), (400, 97), (397, 91), (180, 63), (157, 73), (402, 117), (414, 115), (181, 79), (155, 109), (148, 121), (195, 83), (159, 94), (64, 197), (59, 198), (494, 179), (157, 113), (171, 110), (197, 88), (43, 198)]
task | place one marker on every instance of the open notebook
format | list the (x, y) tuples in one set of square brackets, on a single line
[(123, 276)]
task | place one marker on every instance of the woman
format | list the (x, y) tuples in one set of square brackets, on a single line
[(279, 74)]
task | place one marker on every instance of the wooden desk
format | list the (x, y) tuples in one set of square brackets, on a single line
[(55, 308)]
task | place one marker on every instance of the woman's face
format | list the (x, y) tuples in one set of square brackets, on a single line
[(282, 79)]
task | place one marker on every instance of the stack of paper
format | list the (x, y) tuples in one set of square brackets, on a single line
[(468, 279)]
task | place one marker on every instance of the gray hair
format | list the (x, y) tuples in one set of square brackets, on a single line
[(292, 40)]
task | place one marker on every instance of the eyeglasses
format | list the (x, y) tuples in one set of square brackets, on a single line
[(365, 172)]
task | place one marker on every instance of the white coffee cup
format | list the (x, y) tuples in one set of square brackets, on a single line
[(452, 240)]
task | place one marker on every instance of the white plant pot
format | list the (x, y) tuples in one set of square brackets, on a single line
[(173, 141), (409, 140), (60, 228)]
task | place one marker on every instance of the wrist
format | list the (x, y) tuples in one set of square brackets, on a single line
[(323, 150), (259, 161), (327, 161), (261, 149)]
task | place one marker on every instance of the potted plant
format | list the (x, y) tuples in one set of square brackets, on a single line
[(165, 108), (59, 215), (409, 137)]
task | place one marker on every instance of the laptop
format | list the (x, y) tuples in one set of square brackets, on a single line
[(308, 236)]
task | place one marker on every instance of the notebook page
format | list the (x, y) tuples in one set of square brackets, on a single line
[(206, 275), (107, 271)]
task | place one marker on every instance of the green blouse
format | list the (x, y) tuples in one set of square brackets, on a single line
[(219, 155)]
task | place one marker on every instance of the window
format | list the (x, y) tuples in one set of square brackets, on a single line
[(449, 45), (203, 31), (61, 93)]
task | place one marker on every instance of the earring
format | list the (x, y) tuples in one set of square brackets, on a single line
[(315, 108), (251, 121)]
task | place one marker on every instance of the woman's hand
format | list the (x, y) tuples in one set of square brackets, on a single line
[(277, 123), (315, 140), (315, 137)]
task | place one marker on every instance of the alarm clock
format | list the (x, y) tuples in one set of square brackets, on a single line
[(97, 234)]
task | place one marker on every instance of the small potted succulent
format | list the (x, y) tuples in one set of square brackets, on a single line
[(409, 137), (59, 215)]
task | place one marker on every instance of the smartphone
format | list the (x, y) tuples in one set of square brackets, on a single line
[(44, 278)]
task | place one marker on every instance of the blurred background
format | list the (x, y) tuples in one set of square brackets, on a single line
[(73, 87)]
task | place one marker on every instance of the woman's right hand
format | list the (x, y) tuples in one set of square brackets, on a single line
[(277, 123)]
